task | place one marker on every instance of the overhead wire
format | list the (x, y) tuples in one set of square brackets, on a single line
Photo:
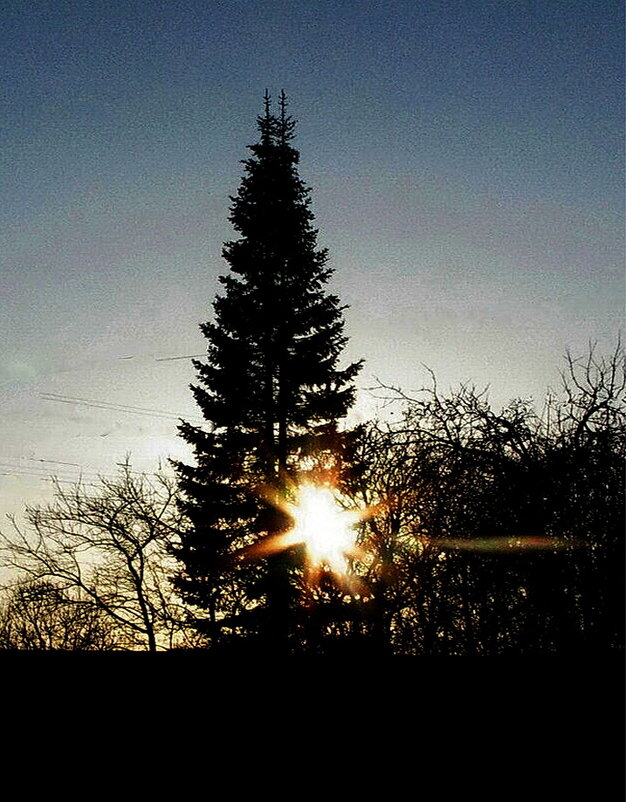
[(20, 470), (171, 358), (55, 461), (89, 474), (115, 407)]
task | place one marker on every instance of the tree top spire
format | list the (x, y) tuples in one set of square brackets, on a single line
[(275, 127), (286, 122)]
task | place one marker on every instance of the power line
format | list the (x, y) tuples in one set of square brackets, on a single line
[(165, 358), (78, 478), (171, 358), (87, 471), (55, 461), (22, 470), (105, 404), (129, 408)]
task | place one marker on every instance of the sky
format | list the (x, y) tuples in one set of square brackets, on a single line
[(466, 164)]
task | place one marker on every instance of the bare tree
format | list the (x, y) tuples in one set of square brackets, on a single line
[(39, 615), (497, 532), (109, 550)]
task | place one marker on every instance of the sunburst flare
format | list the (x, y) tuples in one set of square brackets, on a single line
[(325, 526)]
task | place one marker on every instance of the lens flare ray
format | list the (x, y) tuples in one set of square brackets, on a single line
[(500, 544), (326, 529)]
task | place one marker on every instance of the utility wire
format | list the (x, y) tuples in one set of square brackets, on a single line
[(135, 410), (22, 470), (171, 358), (84, 470), (86, 478), (55, 461), (167, 358), (32, 470), (105, 404), (43, 478)]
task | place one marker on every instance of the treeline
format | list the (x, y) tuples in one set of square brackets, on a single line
[(487, 533), (504, 533)]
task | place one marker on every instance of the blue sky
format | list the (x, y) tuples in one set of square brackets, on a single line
[(466, 165)]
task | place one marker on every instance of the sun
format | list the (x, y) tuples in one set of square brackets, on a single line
[(326, 529)]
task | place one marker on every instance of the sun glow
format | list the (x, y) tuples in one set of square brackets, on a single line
[(324, 527)]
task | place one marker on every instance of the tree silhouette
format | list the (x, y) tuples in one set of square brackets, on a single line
[(40, 615), (106, 551), (501, 532), (272, 394)]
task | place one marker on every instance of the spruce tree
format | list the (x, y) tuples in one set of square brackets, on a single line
[(272, 394)]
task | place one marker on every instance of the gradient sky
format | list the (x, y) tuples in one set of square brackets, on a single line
[(466, 165)]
